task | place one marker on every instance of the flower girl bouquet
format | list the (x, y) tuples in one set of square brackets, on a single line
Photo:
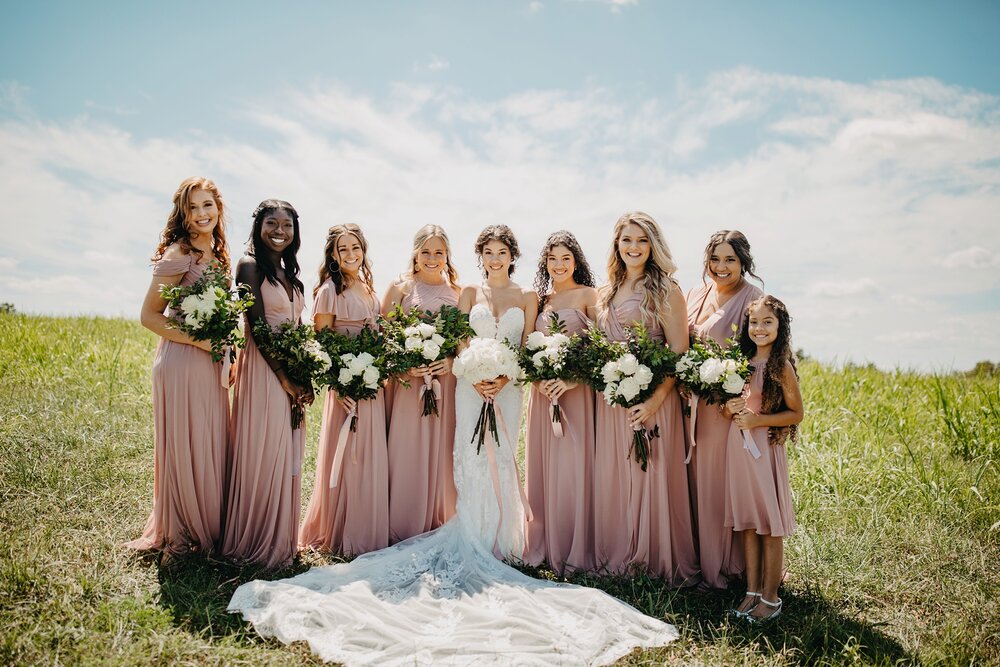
[(544, 357), (715, 374), (486, 359), (417, 338), (296, 347), (209, 310)]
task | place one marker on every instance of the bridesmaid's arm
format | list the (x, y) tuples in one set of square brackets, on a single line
[(393, 297), (153, 306), (323, 321), (793, 412), (676, 332), (467, 299)]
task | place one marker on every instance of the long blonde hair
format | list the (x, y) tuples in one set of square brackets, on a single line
[(331, 265), (423, 235), (658, 274)]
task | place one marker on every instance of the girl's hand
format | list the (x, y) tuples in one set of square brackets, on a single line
[(488, 389), (483, 389), (638, 414), (419, 371), (553, 389), (747, 419), (307, 396), (441, 366), (293, 389), (348, 403), (684, 392), (232, 374), (734, 406)]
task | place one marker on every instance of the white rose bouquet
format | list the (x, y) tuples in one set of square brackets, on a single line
[(544, 357), (486, 359), (295, 346), (359, 366), (418, 338), (209, 309)]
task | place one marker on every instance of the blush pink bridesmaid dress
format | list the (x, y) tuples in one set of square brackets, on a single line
[(559, 471), (265, 469), (720, 552), (190, 422), (642, 519), (352, 517), (421, 478)]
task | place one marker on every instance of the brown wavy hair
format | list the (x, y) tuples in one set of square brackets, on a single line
[(331, 265), (581, 269), (500, 233), (773, 396), (177, 232), (740, 245), (423, 235), (658, 274)]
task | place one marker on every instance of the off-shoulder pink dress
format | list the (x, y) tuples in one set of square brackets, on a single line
[(641, 519), (720, 553), (559, 471), (265, 470), (760, 496), (190, 416), (352, 517), (421, 478)]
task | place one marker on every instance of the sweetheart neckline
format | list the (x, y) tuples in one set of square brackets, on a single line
[(495, 318)]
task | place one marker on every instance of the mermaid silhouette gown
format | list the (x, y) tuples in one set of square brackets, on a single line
[(443, 598)]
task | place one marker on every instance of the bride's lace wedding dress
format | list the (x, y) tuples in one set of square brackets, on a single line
[(443, 598)]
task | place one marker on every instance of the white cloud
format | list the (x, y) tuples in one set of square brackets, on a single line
[(848, 192), (535, 7)]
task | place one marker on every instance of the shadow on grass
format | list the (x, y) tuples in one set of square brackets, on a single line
[(810, 630)]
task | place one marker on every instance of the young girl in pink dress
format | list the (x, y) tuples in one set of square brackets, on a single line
[(643, 519), (265, 454), (348, 513), (713, 309), (760, 499), (190, 397), (421, 481), (559, 467)]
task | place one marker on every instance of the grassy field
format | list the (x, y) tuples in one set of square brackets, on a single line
[(897, 558)]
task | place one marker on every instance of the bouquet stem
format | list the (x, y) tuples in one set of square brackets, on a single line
[(556, 413), (487, 421), (429, 394)]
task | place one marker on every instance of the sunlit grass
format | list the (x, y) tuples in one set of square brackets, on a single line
[(895, 482)]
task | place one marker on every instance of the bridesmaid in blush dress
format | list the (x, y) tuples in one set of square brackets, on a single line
[(265, 469), (190, 397), (421, 478), (352, 516), (559, 467), (643, 519), (713, 309)]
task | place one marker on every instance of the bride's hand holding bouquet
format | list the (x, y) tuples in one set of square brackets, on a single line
[(488, 365)]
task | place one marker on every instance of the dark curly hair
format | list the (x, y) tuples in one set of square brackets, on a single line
[(289, 257), (500, 233), (773, 396), (581, 269), (740, 246)]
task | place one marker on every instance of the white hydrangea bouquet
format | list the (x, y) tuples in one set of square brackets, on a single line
[(209, 309), (715, 374), (544, 357), (295, 346), (359, 366), (486, 359)]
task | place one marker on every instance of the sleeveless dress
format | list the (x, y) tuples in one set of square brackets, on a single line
[(421, 481), (760, 497), (352, 517), (265, 469), (442, 598), (719, 551), (559, 471), (190, 423), (641, 519)]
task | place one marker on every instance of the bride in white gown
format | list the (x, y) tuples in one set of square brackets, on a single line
[(443, 598)]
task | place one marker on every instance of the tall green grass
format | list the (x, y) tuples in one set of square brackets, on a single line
[(895, 561)]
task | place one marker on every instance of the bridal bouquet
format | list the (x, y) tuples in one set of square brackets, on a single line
[(359, 365), (209, 310), (486, 359), (544, 357), (295, 346), (627, 373), (417, 338)]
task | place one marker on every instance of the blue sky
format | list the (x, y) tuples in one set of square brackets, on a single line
[(857, 144)]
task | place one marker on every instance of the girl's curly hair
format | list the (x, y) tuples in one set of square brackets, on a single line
[(176, 230), (581, 269), (773, 396)]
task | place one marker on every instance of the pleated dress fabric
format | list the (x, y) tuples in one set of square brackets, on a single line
[(265, 453), (352, 517), (642, 520), (190, 422), (559, 471), (720, 551)]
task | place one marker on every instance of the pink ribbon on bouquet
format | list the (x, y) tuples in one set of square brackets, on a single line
[(491, 458), (749, 443), (693, 404), (430, 384), (338, 456), (557, 427)]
